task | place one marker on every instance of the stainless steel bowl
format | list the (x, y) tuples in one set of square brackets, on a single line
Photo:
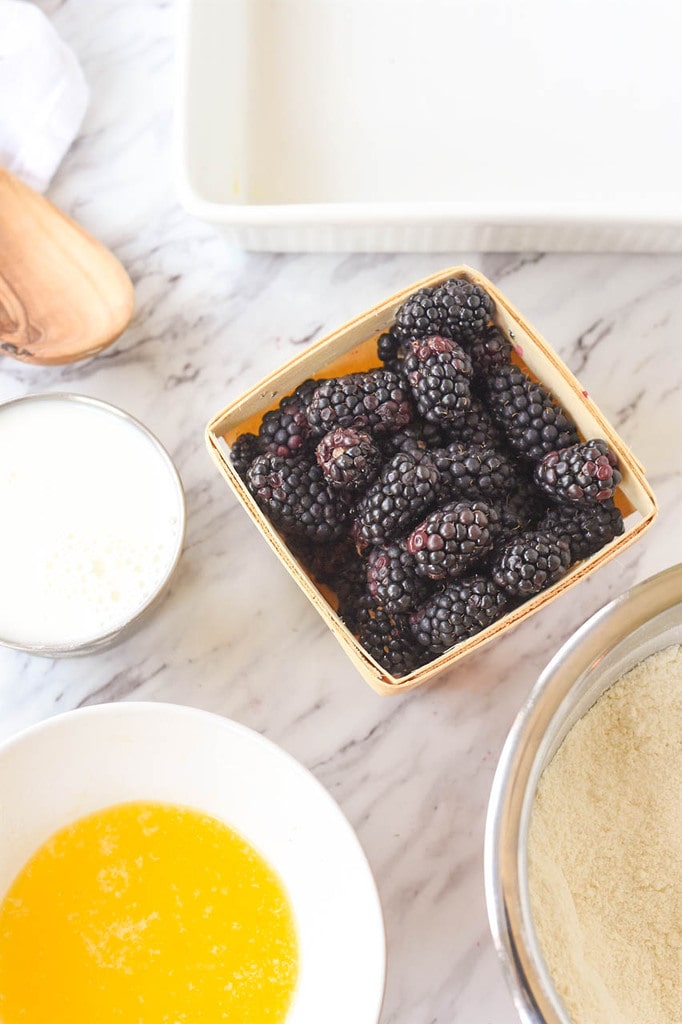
[(644, 620)]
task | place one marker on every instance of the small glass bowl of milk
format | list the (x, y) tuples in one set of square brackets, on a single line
[(92, 518)]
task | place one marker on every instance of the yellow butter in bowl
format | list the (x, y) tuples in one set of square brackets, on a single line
[(147, 912)]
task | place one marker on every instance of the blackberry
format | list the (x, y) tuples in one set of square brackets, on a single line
[(334, 565), (521, 508), (474, 427), (452, 539), (392, 580), (489, 351), (533, 423), (387, 347), (454, 309), (284, 430), (296, 497), (304, 392), (417, 317), (391, 350), (385, 636), (464, 608), (407, 488), (584, 474), (419, 434), (438, 371), (242, 453), (474, 472), (586, 529), (349, 459), (377, 400), (464, 310), (531, 562)]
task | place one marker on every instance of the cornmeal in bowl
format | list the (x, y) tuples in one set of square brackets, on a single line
[(605, 853)]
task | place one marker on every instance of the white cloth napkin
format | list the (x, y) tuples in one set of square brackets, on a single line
[(43, 94)]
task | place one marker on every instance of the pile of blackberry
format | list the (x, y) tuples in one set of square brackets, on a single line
[(435, 491)]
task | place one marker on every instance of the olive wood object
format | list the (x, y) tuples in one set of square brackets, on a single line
[(63, 295)]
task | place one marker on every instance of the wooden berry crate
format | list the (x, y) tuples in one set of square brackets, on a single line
[(352, 347)]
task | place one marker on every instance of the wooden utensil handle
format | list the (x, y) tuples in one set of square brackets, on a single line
[(63, 295)]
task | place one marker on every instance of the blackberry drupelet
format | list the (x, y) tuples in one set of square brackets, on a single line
[(474, 427), (464, 310), (417, 317), (473, 471), (439, 372), (488, 352), (585, 529), (464, 608), (349, 459), (377, 401), (407, 488), (284, 430), (531, 562), (452, 539), (242, 453), (392, 580), (533, 423), (584, 474), (296, 497)]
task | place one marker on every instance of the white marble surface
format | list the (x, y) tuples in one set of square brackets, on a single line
[(236, 636)]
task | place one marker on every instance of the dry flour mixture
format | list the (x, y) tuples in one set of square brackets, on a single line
[(605, 853)]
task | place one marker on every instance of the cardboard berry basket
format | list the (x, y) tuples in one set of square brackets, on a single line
[(352, 348)]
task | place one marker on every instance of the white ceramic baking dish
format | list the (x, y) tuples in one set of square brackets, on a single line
[(426, 125)]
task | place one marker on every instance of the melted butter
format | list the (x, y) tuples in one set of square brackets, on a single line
[(145, 913)]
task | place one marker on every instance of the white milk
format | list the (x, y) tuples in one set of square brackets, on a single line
[(90, 521)]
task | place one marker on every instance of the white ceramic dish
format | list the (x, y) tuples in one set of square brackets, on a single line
[(319, 125), (84, 760)]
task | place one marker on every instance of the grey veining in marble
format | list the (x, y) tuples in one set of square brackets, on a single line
[(235, 635)]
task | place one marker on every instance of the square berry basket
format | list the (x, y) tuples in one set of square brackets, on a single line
[(352, 348)]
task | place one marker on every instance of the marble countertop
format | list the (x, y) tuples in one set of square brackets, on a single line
[(235, 635)]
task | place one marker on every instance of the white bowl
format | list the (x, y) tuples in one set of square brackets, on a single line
[(88, 574), (84, 760)]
